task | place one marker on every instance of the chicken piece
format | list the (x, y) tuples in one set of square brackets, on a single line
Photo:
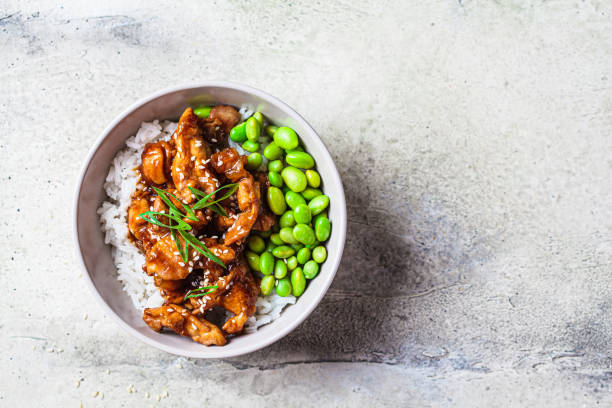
[(240, 299), (137, 225), (156, 158), (230, 163), (223, 252), (164, 260), (265, 221), (173, 291), (227, 115), (179, 320), (190, 164)]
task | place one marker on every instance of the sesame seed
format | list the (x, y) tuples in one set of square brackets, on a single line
[(170, 309), (147, 394), (192, 158), (95, 394), (194, 326), (77, 383), (85, 316), (213, 140), (190, 269), (181, 263), (107, 371)]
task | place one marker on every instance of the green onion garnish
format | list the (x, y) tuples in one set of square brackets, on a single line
[(163, 195), (182, 225), (205, 197), (199, 291), (200, 247)]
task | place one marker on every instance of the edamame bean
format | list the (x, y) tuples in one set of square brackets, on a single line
[(283, 251), (293, 199), (319, 254), (273, 152), (301, 160), (280, 269), (311, 193), (292, 263), (267, 284), (314, 179), (250, 146), (275, 166), (286, 138), (256, 244), (254, 161), (276, 239), (283, 287), (304, 234), (264, 234), (276, 201), (294, 179), (266, 263), (275, 179), (270, 130), (311, 269), (252, 260), (203, 111), (238, 133), (253, 129), (316, 217), (287, 220), (303, 255), (302, 214), (322, 229), (286, 234), (258, 117), (318, 204), (298, 281)]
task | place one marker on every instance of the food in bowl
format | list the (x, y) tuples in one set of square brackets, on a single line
[(226, 240)]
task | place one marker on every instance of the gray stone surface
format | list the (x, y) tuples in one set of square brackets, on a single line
[(473, 138)]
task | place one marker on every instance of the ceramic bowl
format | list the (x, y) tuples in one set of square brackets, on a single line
[(95, 256)]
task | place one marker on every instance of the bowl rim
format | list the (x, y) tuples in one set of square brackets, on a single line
[(340, 225)]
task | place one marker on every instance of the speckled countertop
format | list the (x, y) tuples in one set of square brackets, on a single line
[(474, 141)]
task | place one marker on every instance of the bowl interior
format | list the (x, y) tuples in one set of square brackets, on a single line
[(96, 255)]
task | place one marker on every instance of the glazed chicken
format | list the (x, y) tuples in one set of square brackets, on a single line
[(192, 164)]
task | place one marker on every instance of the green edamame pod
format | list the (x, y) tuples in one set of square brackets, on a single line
[(322, 229), (254, 160), (286, 138), (256, 244), (294, 179), (273, 152), (280, 269), (275, 166), (252, 260), (298, 281), (303, 255), (287, 219), (266, 263), (319, 254), (301, 160), (318, 204), (270, 130), (267, 284), (302, 214), (286, 234), (293, 199), (258, 117), (276, 239), (275, 179), (283, 251), (250, 146), (311, 269), (304, 234), (283, 287), (314, 179), (311, 193), (276, 201), (253, 129), (292, 263), (238, 133), (202, 111)]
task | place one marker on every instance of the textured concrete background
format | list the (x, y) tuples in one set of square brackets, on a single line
[(474, 141)]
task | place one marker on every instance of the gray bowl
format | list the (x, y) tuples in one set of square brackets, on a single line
[(95, 255)]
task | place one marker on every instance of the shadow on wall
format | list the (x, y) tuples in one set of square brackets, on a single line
[(375, 310)]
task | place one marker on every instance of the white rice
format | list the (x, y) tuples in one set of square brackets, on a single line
[(119, 186)]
